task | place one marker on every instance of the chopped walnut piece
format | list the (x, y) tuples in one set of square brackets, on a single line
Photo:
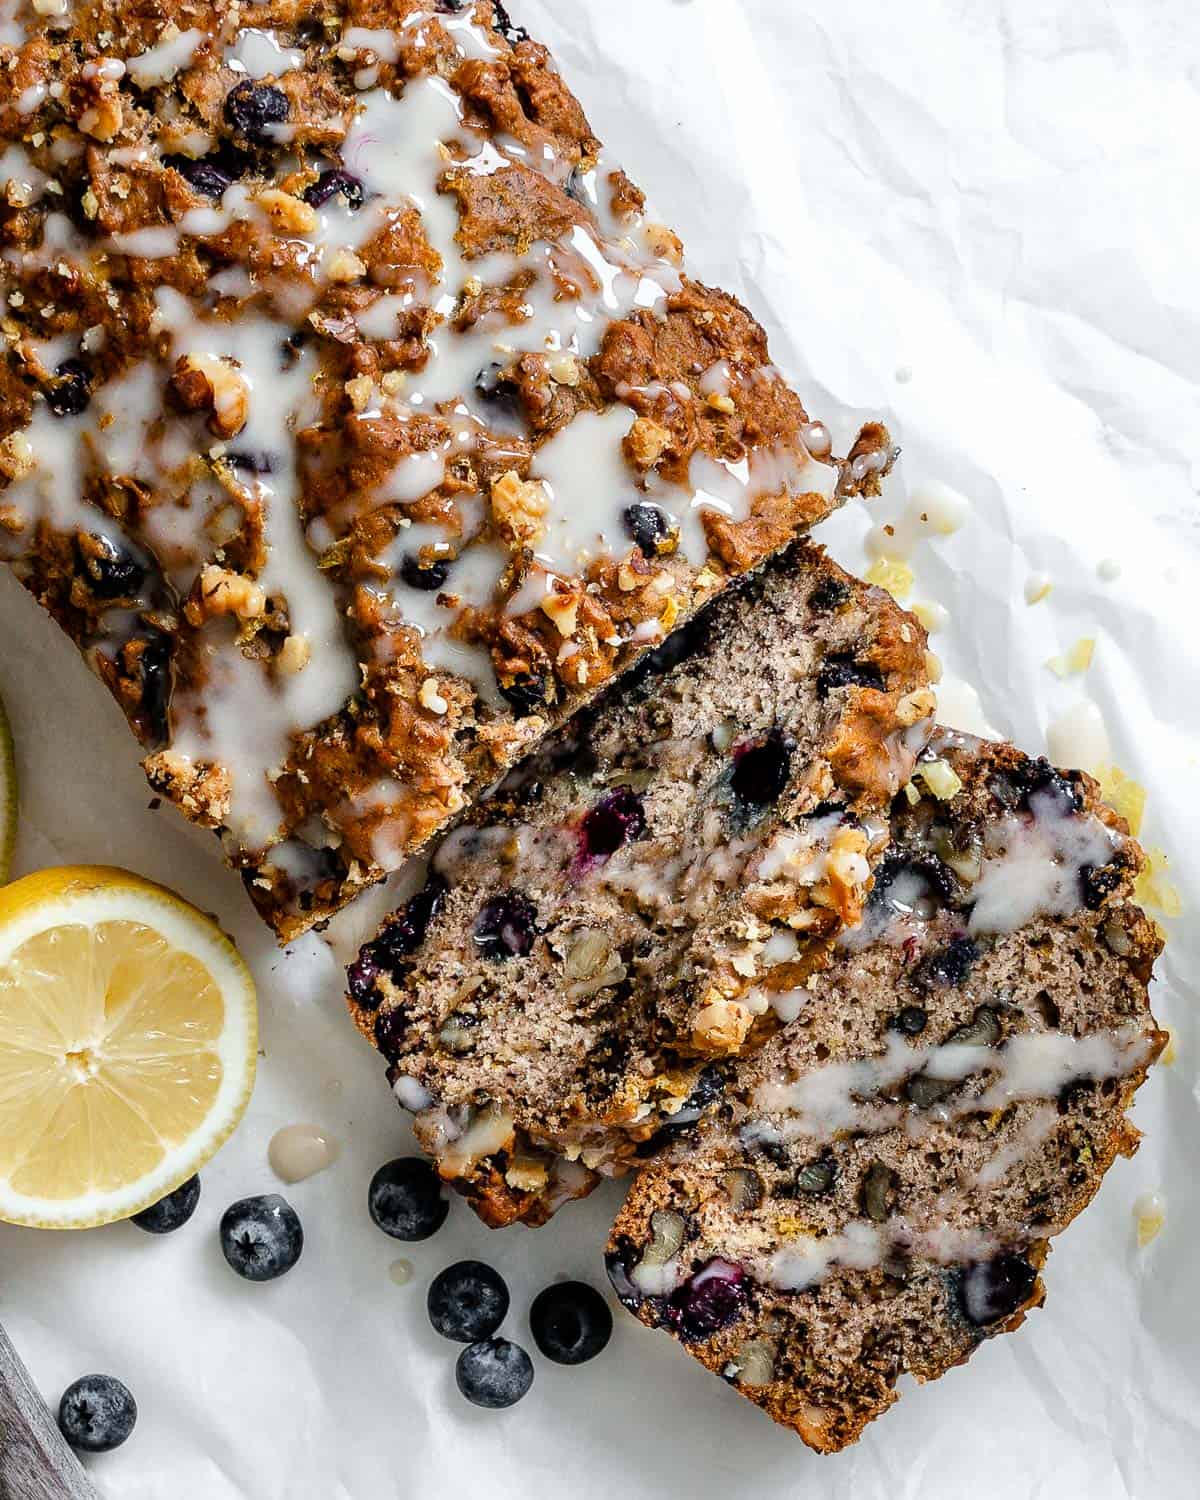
[(721, 1026), (204, 382), (664, 243), (360, 391), (104, 119), (518, 508), (846, 872), (915, 706), (220, 592), (16, 456), (563, 610), (526, 1175), (564, 370), (431, 699), (287, 213), (294, 655), (344, 266), (646, 443)]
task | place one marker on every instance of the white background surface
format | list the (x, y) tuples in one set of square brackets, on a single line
[(1000, 195)]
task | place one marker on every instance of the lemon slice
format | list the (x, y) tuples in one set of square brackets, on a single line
[(128, 1039), (8, 796)]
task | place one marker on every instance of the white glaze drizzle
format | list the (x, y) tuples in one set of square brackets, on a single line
[(159, 64), (1034, 865), (845, 1096), (1079, 737), (297, 1152), (245, 715), (932, 509)]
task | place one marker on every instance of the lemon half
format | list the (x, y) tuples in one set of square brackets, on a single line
[(128, 1041), (8, 796)]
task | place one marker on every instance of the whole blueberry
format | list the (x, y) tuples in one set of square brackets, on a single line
[(525, 694), (405, 932), (844, 671), (361, 979), (71, 392), (333, 181), (506, 927), (494, 1373), (996, 1288), (617, 819), (252, 108), (154, 666), (467, 1301), (391, 1031), (172, 1212), (648, 527), (511, 33), (406, 1200), (761, 770), (571, 1322), (948, 967), (261, 1237), (911, 1020), (97, 1413), (202, 175), (427, 579), (501, 393), (110, 572), (709, 1301), (829, 594)]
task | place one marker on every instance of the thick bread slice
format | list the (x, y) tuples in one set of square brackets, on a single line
[(877, 1193), (618, 917)]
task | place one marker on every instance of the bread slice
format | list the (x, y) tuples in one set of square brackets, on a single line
[(622, 911), (877, 1192)]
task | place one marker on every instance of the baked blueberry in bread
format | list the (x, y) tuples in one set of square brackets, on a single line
[(876, 1192), (628, 911)]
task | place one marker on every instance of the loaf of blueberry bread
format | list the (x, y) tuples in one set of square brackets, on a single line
[(634, 902), (357, 419), (876, 1192)]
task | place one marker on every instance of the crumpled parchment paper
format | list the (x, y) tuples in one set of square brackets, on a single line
[(976, 218)]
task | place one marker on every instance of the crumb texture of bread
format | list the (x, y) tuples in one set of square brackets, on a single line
[(358, 419), (636, 904), (876, 1191)]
